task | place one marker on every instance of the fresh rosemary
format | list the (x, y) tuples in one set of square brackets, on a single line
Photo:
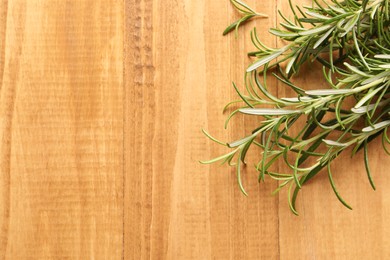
[(351, 40)]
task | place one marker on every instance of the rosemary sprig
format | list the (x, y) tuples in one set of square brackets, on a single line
[(247, 14), (358, 31)]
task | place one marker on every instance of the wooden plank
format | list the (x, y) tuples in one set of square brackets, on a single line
[(61, 114), (326, 229), (178, 73), (64, 145)]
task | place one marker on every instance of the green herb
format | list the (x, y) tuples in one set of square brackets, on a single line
[(247, 14), (351, 40)]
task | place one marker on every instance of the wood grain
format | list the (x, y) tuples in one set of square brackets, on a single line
[(178, 70), (61, 129), (176, 65), (102, 103)]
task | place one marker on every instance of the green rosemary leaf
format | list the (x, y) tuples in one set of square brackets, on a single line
[(291, 200), (369, 139), (317, 15), (266, 59), (212, 138), (323, 38), (263, 160), (241, 6), (335, 189), (312, 173), (241, 96), (385, 141), (242, 141), (268, 111), (280, 186), (238, 170), (312, 148), (366, 164), (351, 40), (368, 96), (349, 25), (355, 70), (383, 56), (315, 31), (280, 33), (230, 117), (290, 64), (327, 92), (377, 126), (295, 169), (219, 158), (365, 109), (236, 24), (334, 143), (248, 13)]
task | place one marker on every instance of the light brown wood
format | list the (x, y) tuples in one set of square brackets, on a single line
[(178, 74), (101, 109), (61, 112)]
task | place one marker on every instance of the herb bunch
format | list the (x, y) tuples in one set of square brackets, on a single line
[(351, 40)]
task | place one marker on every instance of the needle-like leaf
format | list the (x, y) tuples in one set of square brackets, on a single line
[(308, 131)]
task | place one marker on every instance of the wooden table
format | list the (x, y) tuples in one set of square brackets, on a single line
[(102, 104)]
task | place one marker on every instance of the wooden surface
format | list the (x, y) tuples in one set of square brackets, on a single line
[(101, 107), (61, 111)]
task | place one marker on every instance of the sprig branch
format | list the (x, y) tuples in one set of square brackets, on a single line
[(359, 76)]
